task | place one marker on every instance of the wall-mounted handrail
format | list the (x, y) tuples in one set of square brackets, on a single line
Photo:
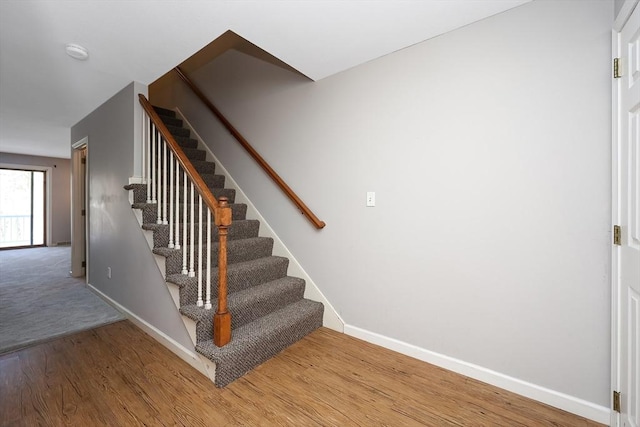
[(252, 152), (156, 179)]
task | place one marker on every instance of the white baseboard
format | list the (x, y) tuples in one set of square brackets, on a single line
[(550, 397), (189, 356)]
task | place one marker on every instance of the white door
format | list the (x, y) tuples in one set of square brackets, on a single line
[(628, 218)]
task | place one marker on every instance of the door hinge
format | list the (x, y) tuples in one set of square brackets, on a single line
[(617, 235), (84, 264), (84, 212), (616, 401), (616, 68)]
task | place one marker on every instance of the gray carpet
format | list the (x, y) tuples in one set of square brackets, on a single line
[(40, 301)]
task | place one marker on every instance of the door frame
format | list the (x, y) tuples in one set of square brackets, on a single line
[(79, 223), (622, 18)]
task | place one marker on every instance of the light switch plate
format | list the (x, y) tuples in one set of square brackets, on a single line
[(371, 198)]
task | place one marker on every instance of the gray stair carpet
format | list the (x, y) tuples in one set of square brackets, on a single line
[(268, 310)]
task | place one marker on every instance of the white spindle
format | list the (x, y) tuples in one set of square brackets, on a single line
[(147, 149), (152, 160), (184, 225), (200, 303), (171, 245), (207, 304), (143, 147), (165, 172), (159, 184), (177, 206), (192, 225)]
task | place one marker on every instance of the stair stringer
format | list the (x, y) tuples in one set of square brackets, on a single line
[(195, 359), (331, 319)]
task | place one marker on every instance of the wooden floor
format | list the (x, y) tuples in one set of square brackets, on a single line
[(116, 375)]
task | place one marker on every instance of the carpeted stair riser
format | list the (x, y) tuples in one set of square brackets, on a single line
[(187, 142), (217, 192), (191, 153), (248, 305), (214, 183), (258, 341), (178, 131), (164, 112), (150, 211), (240, 276), (171, 121), (239, 229), (237, 251)]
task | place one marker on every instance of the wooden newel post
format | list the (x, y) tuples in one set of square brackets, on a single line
[(222, 318)]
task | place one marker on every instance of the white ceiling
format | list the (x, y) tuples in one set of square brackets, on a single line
[(43, 92)]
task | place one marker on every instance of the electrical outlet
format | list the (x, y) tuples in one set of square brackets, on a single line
[(108, 272), (371, 198)]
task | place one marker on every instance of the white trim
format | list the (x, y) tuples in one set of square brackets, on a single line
[(135, 180), (623, 16), (79, 224), (550, 397), (79, 144), (331, 318), (615, 327), (188, 355)]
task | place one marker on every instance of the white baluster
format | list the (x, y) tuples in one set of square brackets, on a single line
[(184, 225), (152, 160), (159, 184), (177, 206), (165, 171), (192, 272), (199, 303), (171, 245), (207, 304), (147, 149), (143, 146)]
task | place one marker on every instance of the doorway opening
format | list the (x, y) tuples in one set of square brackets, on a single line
[(22, 208), (79, 211)]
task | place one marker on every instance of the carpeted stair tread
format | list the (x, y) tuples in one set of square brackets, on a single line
[(248, 305), (241, 250), (202, 166), (261, 339), (178, 131), (239, 229), (164, 112), (240, 276), (194, 153), (185, 141), (150, 211), (217, 192), (171, 121)]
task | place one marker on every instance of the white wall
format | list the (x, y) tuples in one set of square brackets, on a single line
[(489, 151), (115, 238), (60, 203)]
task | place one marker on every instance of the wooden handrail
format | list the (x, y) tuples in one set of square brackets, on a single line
[(252, 152), (222, 216)]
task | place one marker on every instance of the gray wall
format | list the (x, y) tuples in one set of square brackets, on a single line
[(60, 188), (617, 5), (489, 151), (115, 238)]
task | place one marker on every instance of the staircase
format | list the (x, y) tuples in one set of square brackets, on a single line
[(269, 312)]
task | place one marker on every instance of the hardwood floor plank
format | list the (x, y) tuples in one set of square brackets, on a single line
[(117, 375)]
